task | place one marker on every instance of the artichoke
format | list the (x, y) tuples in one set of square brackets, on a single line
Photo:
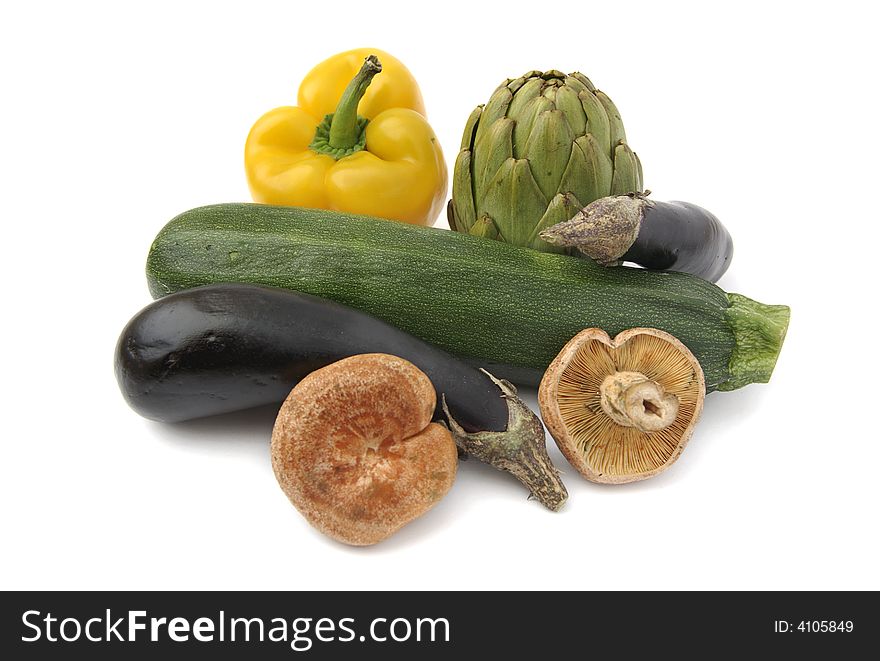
[(542, 148)]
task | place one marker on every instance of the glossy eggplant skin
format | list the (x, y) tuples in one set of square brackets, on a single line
[(680, 236), (228, 347)]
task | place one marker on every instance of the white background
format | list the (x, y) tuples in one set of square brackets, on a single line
[(116, 117)]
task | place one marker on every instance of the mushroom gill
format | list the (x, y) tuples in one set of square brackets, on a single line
[(622, 410)]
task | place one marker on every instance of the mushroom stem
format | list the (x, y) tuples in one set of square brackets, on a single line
[(633, 400), (519, 449)]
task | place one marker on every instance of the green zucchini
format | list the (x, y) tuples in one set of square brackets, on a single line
[(502, 307)]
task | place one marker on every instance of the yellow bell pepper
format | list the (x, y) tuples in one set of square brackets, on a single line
[(349, 145)]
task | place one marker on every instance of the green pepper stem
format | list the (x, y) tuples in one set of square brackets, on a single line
[(344, 128)]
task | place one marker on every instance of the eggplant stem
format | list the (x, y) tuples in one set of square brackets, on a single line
[(520, 449), (604, 229)]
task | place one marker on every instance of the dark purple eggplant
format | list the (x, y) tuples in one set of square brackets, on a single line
[(228, 347), (662, 236)]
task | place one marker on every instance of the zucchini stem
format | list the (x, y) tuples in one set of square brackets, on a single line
[(759, 331), (520, 449)]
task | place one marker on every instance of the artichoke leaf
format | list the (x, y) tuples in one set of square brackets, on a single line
[(494, 110), (573, 178), (568, 101), (484, 227), (513, 84), (525, 121), (589, 172), (462, 213), (640, 183), (582, 80), (495, 147), (617, 132), (548, 150), (470, 129), (514, 201), (524, 97), (450, 216), (626, 171), (597, 120)]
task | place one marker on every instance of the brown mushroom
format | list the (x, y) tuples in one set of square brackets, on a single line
[(622, 410), (356, 452)]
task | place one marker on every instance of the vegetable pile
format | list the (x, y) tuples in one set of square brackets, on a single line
[(392, 348)]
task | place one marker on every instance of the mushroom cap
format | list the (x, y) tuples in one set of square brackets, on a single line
[(571, 400), (355, 451)]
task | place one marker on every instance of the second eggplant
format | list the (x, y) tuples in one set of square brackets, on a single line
[(228, 347), (661, 236)]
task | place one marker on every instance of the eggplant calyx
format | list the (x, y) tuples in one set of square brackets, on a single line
[(520, 449), (641, 195), (604, 229)]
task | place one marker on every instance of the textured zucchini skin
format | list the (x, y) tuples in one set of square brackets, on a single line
[(509, 309), (228, 347)]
